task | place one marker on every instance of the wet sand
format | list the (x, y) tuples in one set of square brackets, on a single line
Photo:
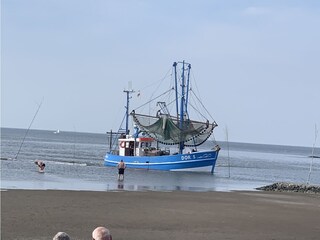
[(31, 214)]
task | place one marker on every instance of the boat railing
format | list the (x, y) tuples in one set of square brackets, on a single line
[(114, 151), (155, 152), (112, 139)]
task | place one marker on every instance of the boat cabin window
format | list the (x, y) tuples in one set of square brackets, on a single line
[(145, 144)]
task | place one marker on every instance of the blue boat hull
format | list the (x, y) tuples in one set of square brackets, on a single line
[(166, 162)]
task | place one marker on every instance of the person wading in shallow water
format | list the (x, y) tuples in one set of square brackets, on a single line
[(40, 165), (121, 168)]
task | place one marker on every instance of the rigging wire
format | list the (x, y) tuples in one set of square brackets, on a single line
[(153, 99), (25, 135), (161, 80), (227, 139), (156, 83), (312, 154), (199, 98), (204, 107), (193, 104)]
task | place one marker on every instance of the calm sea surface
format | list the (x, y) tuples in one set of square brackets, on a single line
[(74, 161)]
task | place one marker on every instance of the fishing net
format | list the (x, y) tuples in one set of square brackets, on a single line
[(167, 130)]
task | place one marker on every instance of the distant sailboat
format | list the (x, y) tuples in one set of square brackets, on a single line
[(56, 132)]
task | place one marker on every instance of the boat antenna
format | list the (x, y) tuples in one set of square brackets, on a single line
[(128, 92), (25, 135), (312, 154)]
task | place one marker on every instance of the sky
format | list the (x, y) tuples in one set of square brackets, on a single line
[(257, 63)]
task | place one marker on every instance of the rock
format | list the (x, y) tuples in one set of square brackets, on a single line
[(291, 187)]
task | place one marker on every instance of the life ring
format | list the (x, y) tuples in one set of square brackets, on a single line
[(122, 144)]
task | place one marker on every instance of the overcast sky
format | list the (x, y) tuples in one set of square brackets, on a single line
[(257, 62)]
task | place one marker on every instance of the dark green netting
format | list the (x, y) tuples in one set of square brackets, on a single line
[(167, 130)]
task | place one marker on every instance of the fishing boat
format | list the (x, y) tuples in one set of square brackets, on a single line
[(167, 139)]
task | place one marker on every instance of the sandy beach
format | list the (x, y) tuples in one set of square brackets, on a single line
[(33, 214)]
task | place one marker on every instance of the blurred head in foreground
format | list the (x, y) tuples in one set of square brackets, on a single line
[(61, 236), (101, 233)]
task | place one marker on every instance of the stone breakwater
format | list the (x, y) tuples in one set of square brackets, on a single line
[(291, 187)]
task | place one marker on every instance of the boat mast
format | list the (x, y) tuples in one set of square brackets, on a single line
[(182, 105), (182, 97), (127, 109), (176, 88), (188, 83)]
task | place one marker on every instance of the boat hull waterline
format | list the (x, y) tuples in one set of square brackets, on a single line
[(167, 162)]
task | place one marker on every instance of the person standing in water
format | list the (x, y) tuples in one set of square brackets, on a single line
[(121, 168), (40, 165)]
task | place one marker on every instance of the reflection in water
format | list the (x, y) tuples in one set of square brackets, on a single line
[(161, 188), (120, 185)]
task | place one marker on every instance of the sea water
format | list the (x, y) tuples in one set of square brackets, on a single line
[(74, 161)]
